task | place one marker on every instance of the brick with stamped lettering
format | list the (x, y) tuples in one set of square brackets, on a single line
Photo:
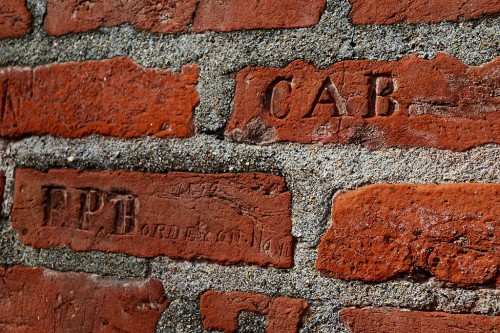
[(439, 103), (226, 218)]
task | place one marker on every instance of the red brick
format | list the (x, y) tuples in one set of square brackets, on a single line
[(164, 16), (233, 15), (15, 19), (226, 218), (41, 300), (386, 320), (415, 11), (170, 16), (440, 103), (112, 97), (381, 231), (220, 311)]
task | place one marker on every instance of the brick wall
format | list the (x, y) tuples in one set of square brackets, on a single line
[(250, 166)]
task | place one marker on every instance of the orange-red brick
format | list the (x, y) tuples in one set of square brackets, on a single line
[(113, 97), (169, 16), (386, 320), (256, 14), (440, 103), (164, 16), (220, 311), (379, 232), (226, 218), (42, 300), (15, 19), (415, 11)]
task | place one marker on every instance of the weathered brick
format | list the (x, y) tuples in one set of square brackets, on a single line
[(112, 97), (226, 218), (42, 300), (450, 231), (233, 15), (165, 16), (415, 11), (386, 320), (439, 103), (220, 311), (15, 19), (170, 16)]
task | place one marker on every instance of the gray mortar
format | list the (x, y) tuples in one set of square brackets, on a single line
[(314, 173)]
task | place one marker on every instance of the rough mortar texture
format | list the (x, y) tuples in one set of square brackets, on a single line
[(314, 173)]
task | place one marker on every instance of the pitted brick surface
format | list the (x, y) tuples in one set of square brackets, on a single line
[(170, 16), (42, 300), (112, 97), (256, 14), (415, 11), (440, 103), (386, 320), (164, 16), (226, 218), (380, 231), (220, 311), (15, 19)]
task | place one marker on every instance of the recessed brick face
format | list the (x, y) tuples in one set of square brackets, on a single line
[(440, 103), (226, 218), (169, 16), (42, 300), (415, 11), (386, 320), (381, 231), (15, 19), (113, 97), (220, 311)]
